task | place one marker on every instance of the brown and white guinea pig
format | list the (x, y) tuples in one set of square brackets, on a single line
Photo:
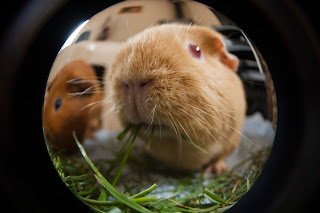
[(70, 105), (181, 82)]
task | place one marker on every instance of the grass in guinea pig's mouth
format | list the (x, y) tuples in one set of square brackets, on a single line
[(189, 193)]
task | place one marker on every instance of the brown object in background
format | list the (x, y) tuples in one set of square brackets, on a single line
[(132, 9), (271, 100), (104, 34)]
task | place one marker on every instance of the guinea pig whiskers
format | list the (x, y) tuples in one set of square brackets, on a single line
[(223, 123), (207, 129), (215, 139), (206, 126), (222, 111), (112, 109), (150, 124), (108, 99), (151, 116), (174, 125), (81, 81), (192, 24), (94, 104), (199, 149), (197, 119), (148, 99), (231, 34), (223, 135), (216, 107), (89, 90), (79, 94), (159, 128)]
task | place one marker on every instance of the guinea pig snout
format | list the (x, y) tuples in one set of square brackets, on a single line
[(136, 88), (136, 94)]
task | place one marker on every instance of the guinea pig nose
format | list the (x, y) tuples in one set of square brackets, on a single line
[(137, 87), (141, 87), (145, 84)]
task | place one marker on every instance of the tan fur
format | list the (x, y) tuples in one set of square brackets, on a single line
[(75, 113), (201, 99)]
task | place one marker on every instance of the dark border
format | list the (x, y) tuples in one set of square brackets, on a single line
[(280, 29)]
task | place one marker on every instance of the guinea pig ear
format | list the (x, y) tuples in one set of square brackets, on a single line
[(226, 58)]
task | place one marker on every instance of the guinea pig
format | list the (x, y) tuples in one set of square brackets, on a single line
[(71, 104), (180, 83)]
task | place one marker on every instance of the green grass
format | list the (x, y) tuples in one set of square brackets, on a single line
[(193, 192)]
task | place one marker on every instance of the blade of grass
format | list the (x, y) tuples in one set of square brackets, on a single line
[(248, 184), (139, 200), (178, 209), (88, 192), (150, 137), (76, 178), (125, 158), (117, 194), (142, 200), (197, 146), (123, 133), (103, 195), (96, 209), (212, 196), (145, 192), (184, 208)]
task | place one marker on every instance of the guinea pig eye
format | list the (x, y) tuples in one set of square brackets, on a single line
[(57, 104), (195, 50)]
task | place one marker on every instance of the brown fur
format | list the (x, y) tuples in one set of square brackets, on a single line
[(74, 114), (202, 99)]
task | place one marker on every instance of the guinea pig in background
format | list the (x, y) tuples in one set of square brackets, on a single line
[(181, 84), (71, 105)]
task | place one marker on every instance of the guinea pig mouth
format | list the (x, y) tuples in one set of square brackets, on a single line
[(157, 129), (153, 126)]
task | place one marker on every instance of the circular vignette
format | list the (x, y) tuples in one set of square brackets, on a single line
[(280, 31)]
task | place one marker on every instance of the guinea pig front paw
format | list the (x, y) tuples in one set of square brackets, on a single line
[(216, 167)]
